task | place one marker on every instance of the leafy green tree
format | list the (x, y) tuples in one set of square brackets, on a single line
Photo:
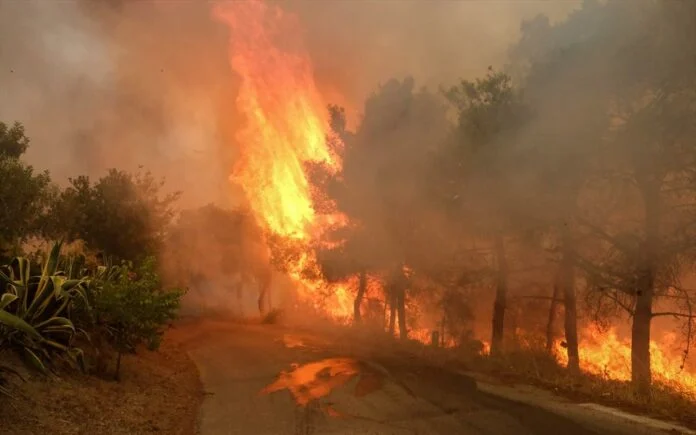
[(128, 307), (13, 141), (123, 215), (25, 195)]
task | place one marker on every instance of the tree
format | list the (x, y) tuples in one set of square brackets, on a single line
[(633, 124), (123, 215), (24, 194), (220, 245), (563, 143), (13, 141), (380, 189), (480, 167)]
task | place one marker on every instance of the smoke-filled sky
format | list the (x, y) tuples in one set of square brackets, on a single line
[(126, 83)]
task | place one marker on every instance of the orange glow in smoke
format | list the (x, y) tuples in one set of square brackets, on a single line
[(286, 129)]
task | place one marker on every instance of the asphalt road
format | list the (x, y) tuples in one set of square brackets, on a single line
[(269, 380)]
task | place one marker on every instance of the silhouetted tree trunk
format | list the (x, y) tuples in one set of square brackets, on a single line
[(362, 288), (551, 322), (401, 306), (392, 310), (264, 282), (567, 282), (642, 317), (500, 297)]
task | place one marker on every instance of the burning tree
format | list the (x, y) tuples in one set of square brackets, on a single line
[(627, 181), (480, 163), (379, 190)]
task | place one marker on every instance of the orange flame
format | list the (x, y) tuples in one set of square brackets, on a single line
[(287, 119), (605, 354), (286, 129)]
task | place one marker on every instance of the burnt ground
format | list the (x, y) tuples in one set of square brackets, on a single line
[(159, 393), (366, 390)]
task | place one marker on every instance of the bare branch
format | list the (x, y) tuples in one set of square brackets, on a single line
[(675, 314), (543, 298), (606, 236), (618, 302)]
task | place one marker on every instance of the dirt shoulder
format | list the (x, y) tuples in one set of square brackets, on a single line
[(160, 392)]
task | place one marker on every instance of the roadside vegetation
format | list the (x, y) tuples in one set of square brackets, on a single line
[(80, 285)]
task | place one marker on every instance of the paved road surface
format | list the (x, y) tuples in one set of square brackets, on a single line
[(267, 380)]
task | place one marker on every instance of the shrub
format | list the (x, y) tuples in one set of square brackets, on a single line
[(11, 323), (35, 311), (128, 308)]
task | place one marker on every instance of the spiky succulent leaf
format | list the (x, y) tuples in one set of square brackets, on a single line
[(33, 360), (18, 324), (6, 299)]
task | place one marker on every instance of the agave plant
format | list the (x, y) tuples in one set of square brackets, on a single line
[(10, 322), (43, 303)]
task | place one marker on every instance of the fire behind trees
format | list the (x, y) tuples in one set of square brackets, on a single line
[(582, 166)]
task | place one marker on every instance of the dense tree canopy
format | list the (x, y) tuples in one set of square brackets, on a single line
[(124, 216), (24, 194)]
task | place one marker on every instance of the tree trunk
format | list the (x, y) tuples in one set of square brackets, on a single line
[(401, 306), (640, 341), (392, 311), (264, 291), (567, 281), (238, 291), (551, 322), (642, 317), (262, 301), (500, 298), (362, 287), (117, 374)]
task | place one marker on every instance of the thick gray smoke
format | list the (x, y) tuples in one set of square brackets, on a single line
[(138, 83)]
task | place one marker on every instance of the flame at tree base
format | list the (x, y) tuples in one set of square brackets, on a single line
[(604, 354)]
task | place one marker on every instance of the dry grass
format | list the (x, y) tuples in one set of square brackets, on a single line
[(160, 392)]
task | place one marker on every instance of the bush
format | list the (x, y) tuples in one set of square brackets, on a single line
[(128, 308), (10, 323), (35, 311)]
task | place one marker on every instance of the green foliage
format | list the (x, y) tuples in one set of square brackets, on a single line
[(13, 141), (24, 200), (486, 108), (10, 323), (128, 306), (35, 311), (122, 214)]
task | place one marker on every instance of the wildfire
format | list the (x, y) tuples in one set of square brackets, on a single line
[(605, 354), (286, 129)]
